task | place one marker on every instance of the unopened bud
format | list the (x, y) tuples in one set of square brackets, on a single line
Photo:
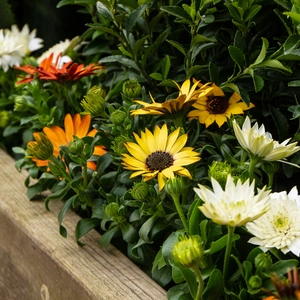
[(255, 282), (117, 117), (76, 147), (20, 104), (220, 170), (131, 89), (140, 191), (4, 118), (41, 148), (263, 261), (94, 101)]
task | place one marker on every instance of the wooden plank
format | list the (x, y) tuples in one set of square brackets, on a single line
[(37, 263)]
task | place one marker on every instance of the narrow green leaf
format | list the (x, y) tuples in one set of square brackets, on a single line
[(135, 16), (108, 235), (221, 243), (120, 59), (83, 226), (177, 12), (71, 2), (293, 15), (258, 82), (263, 52), (156, 76), (237, 56), (273, 63), (281, 267), (103, 28), (254, 9), (65, 208), (104, 11), (177, 45), (294, 83), (166, 63)]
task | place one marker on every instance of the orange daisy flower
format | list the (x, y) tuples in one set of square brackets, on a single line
[(62, 137), (48, 70)]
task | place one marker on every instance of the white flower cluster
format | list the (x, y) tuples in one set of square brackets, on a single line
[(15, 44)]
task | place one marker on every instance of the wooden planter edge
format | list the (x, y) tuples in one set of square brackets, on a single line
[(37, 263)]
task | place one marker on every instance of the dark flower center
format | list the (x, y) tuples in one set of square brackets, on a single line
[(217, 105), (159, 160)]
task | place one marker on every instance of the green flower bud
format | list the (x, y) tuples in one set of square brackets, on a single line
[(175, 186), (41, 148), (117, 117), (94, 101), (4, 118), (20, 104), (219, 170), (131, 89), (118, 144), (188, 251), (76, 147), (263, 261), (112, 209), (255, 282), (140, 191)]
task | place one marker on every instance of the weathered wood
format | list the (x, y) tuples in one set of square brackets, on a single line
[(37, 263)]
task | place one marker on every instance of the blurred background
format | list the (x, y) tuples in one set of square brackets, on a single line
[(53, 24)]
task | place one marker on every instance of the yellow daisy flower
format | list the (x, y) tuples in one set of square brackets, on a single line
[(159, 154), (213, 106), (186, 98)]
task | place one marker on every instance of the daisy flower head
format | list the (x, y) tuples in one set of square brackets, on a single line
[(57, 49), (73, 127), (160, 155), (213, 106), (186, 98), (67, 72), (260, 143), (279, 228), (234, 206)]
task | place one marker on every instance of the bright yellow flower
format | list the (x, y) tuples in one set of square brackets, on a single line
[(213, 106), (160, 155), (73, 127), (186, 98)]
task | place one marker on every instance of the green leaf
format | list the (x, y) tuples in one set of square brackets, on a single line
[(194, 218), (294, 83), (257, 80), (146, 228), (65, 208), (221, 243), (215, 286), (103, 28), (237, 56), (190, 279), (213, 73), (104, 11), (120, 59), (177, 45), (236, 12), (56, 195), (128, 232), (177, 12), (83, 226), (263, 52), (156, 76), (135, 16), (108, 235), (7, 17), (293, 15), (254, 9), (281, 267), (139, 45), (273, 63), (166, 63), (71, 2)]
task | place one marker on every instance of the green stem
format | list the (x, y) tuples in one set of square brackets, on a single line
[(200, 283), (180, 212), (254, 160), (85, 182), (270, 179), (227, 253)]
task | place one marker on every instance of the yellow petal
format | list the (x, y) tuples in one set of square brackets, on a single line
[(136, 151), (168, 173), (186, 161), (172, 139), (142, 144), (161, 136), (84, 126), (161, 181), (184, 173), (179, 144)]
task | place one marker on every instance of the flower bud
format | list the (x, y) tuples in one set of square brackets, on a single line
[(175, 186), (255, 282), (219, 170), (118, 144), (263, 261), (117, 117), (140, 191), (76, 147), (41, 148), (4, 118), (94, 101), (112, 209), (131, 89), (188, 251), (20, 104)]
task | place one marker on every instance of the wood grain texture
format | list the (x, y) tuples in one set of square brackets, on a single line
[(37, 263)]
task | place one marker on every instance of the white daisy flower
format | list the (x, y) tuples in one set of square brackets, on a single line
[(280, 227), (15, 44), (259, 142), (58, 48), (234, 206)]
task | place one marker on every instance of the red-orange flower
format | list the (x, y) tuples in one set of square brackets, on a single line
[(62, 137), (48, 70)]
